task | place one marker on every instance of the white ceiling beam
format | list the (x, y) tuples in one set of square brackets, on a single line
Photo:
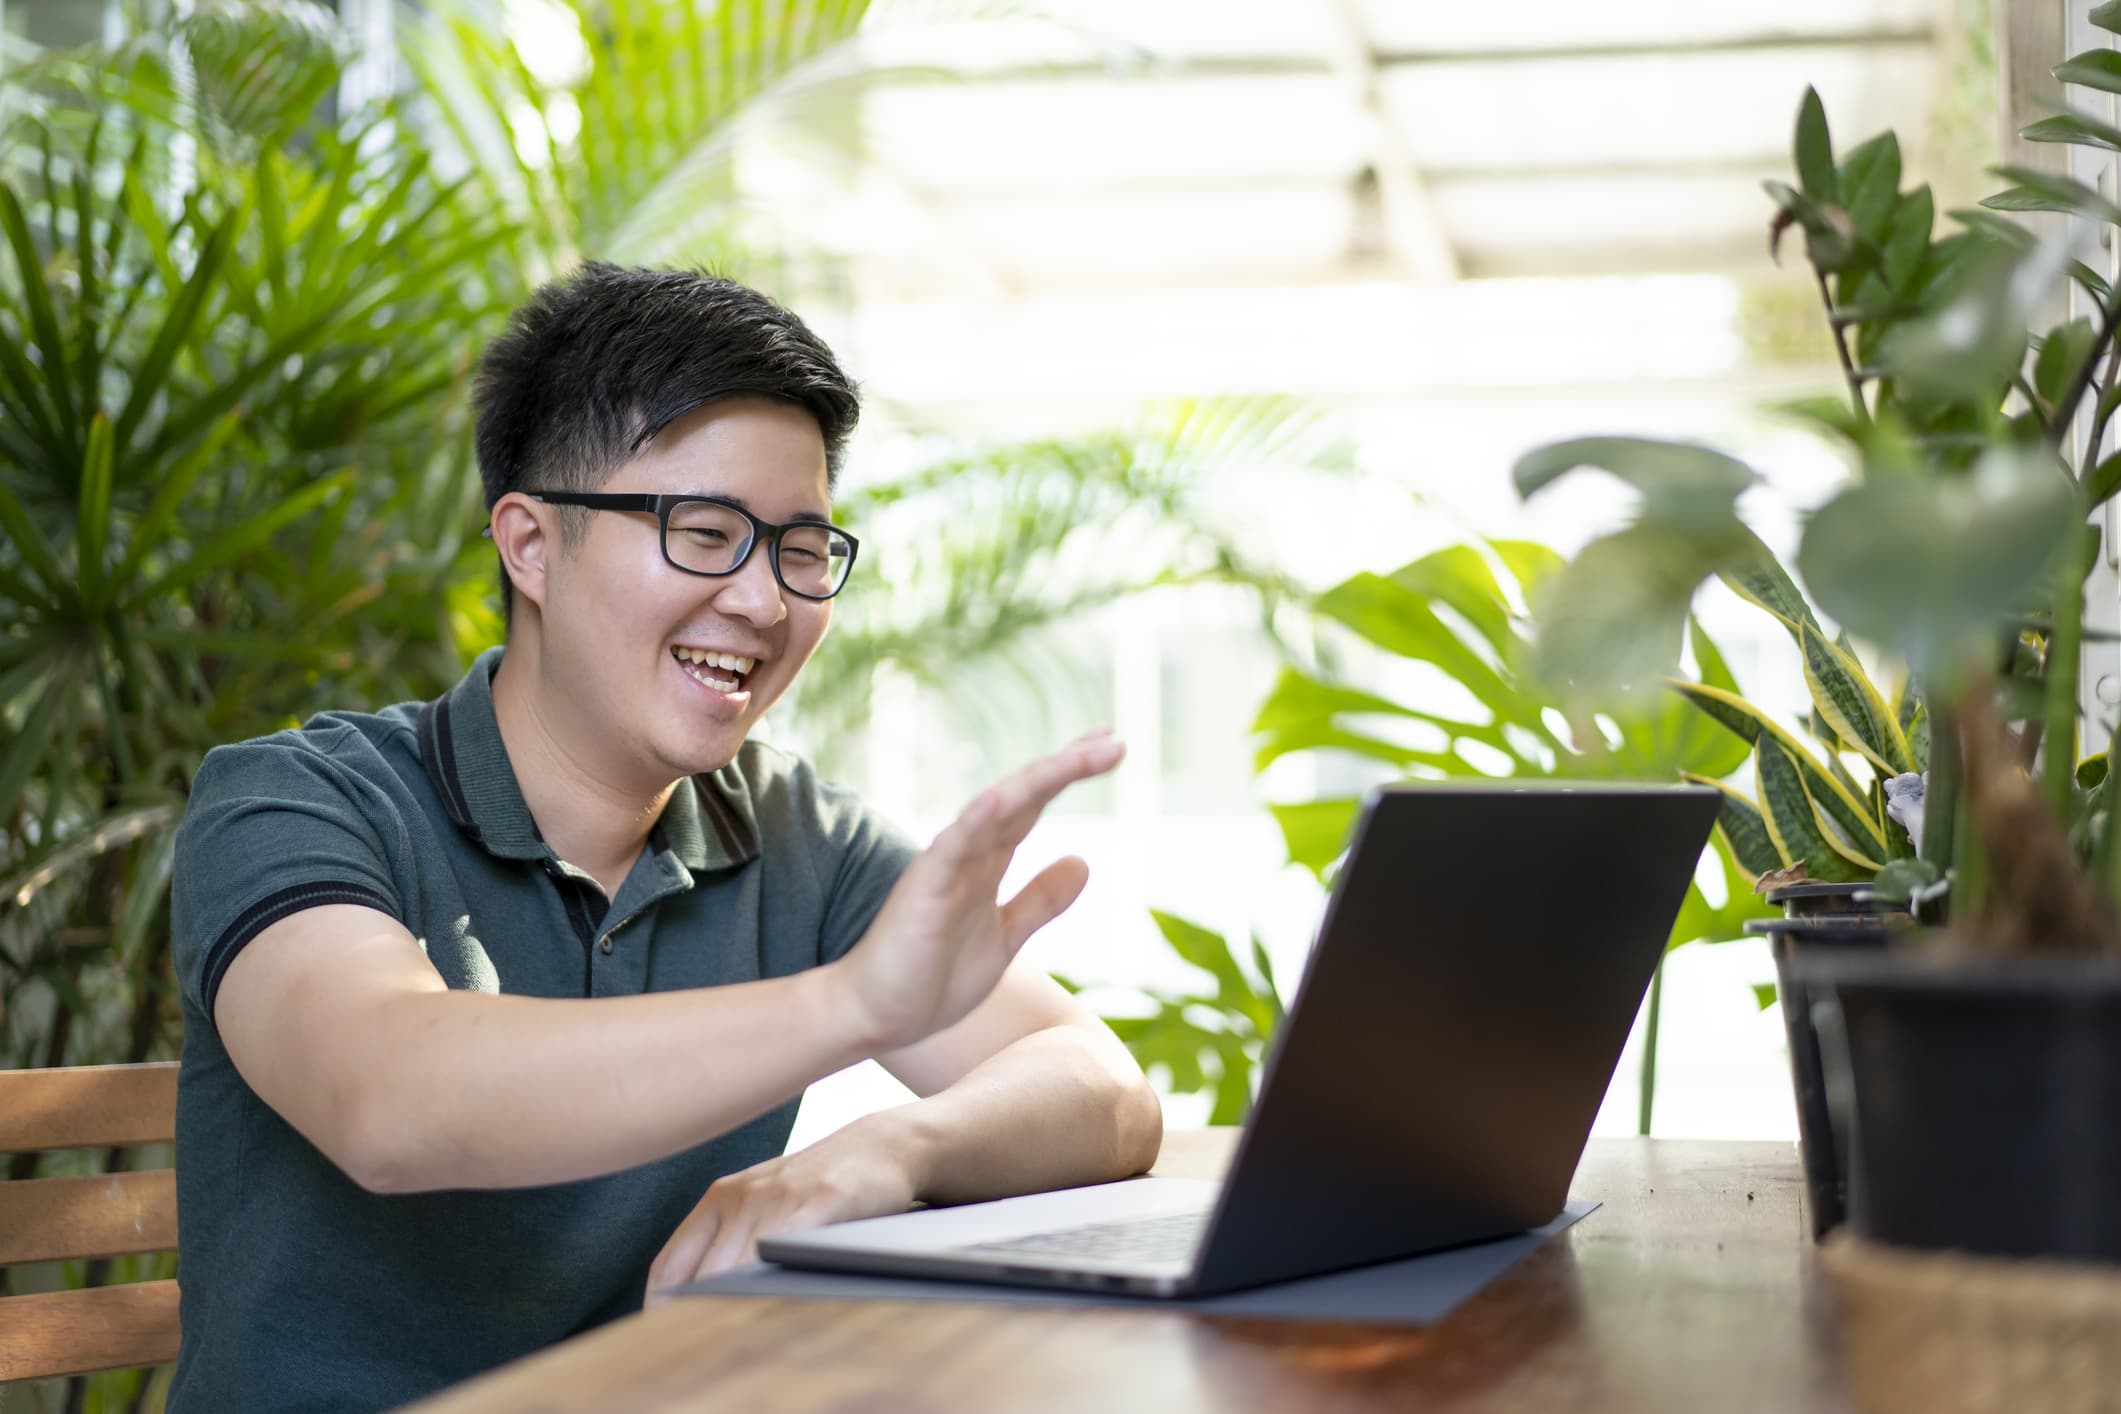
[(1414, 229), (1208, 66)]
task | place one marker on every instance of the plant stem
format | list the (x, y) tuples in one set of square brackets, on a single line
[(2109, 871), (1841, 347), (2059, 694), (1646, 1095), (2105, 415), (2066, 405), (1940, 808)]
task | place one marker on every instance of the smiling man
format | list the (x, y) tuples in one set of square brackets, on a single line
[(498, 1008)]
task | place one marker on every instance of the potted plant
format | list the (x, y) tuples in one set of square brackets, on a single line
[(1977, 1060)]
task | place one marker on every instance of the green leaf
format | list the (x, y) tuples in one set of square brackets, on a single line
[(1832, 415), (1744, 829), (92, 527), (1831, 241), (1299, 700), (37, 299), (1815, 152), (1795, 822), (150, 376), (1870, 186), (2036, 190), (1847, 810), (1264, 966), (1986, 541), (239, 540), (1851, 704), (1529, 563), (1764, 995), (152, 530), (26, 751), (1677, 736), (2061, 354), (1901, 879), (1316, 830), (1683, 486), (2095, 68), (2107, 16), (1610, 624), (2105, 480), (1715, 672), (29, 541), (1401, 621), (1723, 705), (1907, 239), (1457, 576), (1756, 576), (2078, 128), (1970, 346), (1207, 950), (1301, 715)]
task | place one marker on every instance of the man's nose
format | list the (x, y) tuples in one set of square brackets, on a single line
[(752, 593)]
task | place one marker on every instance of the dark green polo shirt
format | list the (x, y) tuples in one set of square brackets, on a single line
[(301, 1290)]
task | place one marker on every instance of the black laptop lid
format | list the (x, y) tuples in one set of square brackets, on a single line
[(1479, 968)]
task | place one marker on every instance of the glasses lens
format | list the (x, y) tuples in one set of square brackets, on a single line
[(815, 559), (707, 538)]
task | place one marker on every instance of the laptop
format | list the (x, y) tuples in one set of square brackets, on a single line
[(1483, 955)]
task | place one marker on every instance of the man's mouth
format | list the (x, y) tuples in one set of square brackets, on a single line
[(724, 672)]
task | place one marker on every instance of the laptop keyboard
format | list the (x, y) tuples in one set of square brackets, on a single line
[(1168, 1237)]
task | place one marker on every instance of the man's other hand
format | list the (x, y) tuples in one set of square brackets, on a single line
[(854, 1172), (942, 940)]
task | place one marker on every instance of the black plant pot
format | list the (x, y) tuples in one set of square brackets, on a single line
[(1982, 1099), (1830, 901), (1789, 939)]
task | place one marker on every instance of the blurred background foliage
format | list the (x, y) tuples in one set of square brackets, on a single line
[(239, 327), (241, 290), (1466, 612), (239, 316)]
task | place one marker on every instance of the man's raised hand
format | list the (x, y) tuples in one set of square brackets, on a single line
[(942, 939)]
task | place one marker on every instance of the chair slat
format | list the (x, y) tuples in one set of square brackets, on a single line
[(79, 1332), (99, 1215), (71, 1107)]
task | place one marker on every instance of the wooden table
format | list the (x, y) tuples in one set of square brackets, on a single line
[(1692, 1288)]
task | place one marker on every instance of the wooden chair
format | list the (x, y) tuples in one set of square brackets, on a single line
[(102, 1215)]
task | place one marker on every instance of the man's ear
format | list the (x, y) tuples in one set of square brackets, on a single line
[(526, 542)]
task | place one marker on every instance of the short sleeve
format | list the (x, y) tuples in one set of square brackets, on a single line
[(869, 854), (274, 826)]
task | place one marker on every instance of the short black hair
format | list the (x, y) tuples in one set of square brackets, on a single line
[(596, 363)]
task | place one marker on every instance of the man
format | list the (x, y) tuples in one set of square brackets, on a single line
[(498, 1008)]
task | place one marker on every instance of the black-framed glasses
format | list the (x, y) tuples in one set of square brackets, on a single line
[(705, 536)]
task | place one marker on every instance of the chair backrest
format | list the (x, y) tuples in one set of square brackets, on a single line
[(102, 1215)]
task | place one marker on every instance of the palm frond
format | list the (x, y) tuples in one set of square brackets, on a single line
[(610, 136), (983, 554)]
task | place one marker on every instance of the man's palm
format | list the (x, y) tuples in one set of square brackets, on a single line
[(942, 941)]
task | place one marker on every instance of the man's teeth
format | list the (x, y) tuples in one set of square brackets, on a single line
[(716, 660), (721, 671)]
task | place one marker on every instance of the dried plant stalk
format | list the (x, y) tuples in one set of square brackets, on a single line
[(2039, 897)]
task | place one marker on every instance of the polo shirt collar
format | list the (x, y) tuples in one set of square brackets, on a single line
[(707, 825)]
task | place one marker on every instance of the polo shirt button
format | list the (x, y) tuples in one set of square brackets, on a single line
[(605, 945)]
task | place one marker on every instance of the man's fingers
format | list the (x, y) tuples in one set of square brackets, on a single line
[(1016, 801), (732, 1241), (1044, 899), (1000, 816), (680, 1257)]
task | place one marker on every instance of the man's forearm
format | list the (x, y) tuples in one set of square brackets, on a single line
[(471, 1090), (1062, 1107)]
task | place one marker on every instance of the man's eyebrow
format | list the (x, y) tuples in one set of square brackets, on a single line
[(794, 518)]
